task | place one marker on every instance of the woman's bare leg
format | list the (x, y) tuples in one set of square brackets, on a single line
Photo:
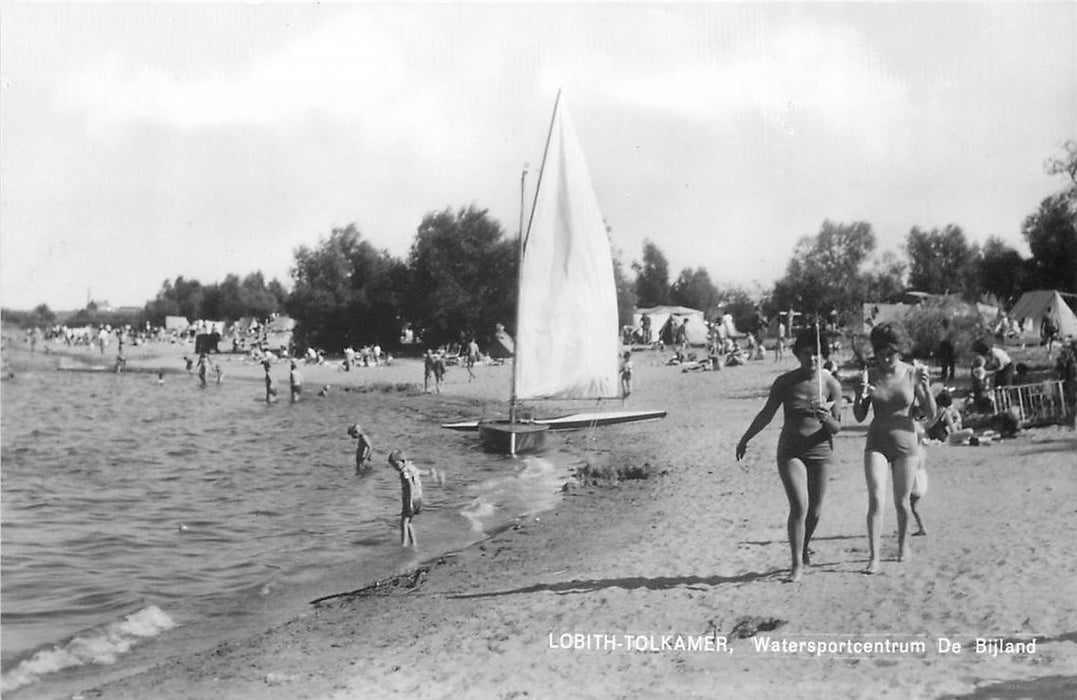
[(875, 468), (818, 476), (795, 481), (904, 473)]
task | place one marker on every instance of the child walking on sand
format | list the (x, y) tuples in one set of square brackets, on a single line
[(626, 374), (919, 483), (411, 493)]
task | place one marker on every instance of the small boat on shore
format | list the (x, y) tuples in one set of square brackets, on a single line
[(567, 331), (575, 421)]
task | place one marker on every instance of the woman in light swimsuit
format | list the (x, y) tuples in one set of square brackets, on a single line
[(805, 447), (890, 389)]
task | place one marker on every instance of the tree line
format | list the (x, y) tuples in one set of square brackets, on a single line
[(458, 279)]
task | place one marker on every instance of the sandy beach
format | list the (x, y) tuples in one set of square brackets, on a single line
[(671, 586)]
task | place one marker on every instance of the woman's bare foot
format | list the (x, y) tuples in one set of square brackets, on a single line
[(920, 533), (872, 567), (904, 553), (795, 574)]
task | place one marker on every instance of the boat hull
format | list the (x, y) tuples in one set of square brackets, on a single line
[(508, 438), (575, 421)]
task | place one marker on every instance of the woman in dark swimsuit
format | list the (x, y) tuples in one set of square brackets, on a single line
[(805, 447), (890, 390)]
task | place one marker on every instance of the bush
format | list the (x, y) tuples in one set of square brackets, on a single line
[(924, 324)]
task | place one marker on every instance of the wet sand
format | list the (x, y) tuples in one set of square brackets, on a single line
[(595, 598)]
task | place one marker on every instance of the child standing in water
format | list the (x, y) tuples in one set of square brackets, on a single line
[(295, 382), (411, 493), (364, 449)]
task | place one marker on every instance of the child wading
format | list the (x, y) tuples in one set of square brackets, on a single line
[(411, 493), (363, 450)]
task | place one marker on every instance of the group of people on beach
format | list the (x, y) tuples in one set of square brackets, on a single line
[(895, 392)]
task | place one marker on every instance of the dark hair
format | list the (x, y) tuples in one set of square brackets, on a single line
[(807, 339), (888, 335), (944, 399), (980, 347)]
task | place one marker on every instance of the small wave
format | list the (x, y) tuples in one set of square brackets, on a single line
[(476, 511), (536, 467), (101, 645)]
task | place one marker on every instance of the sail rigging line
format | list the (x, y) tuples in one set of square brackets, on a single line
[(523, 245), (819, 358), (538, 183)]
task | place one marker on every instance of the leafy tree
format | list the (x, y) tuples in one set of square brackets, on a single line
[(885, 278), (1002, 271), (41, 316), (229, 300), (164, 304), (343, 293), (258, 300), (824, 272), (1065, 164), (738, 303), (942, 262), (213, 301), (189, 295), (626, 293), (1051, 232), (1052, 236), (694, 289), (652, 277), (462, 276), (278, 292)]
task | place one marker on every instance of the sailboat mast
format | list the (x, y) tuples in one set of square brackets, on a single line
[(519, 263), (522, 244)]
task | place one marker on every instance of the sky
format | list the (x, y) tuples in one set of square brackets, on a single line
[(144, 141)]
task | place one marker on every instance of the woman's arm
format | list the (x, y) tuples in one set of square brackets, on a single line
[(924, 397), (765, 415), (862, 401), (831, 417)]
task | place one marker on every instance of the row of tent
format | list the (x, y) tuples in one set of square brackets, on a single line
[(666, 319), (1029, 312)]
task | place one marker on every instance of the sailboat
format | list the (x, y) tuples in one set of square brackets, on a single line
[(567, 338)]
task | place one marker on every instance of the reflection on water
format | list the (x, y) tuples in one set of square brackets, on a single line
[(133, 510)]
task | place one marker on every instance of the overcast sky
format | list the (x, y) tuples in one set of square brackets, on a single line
[(140, 142)]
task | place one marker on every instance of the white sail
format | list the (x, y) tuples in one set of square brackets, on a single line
[(567, 327)]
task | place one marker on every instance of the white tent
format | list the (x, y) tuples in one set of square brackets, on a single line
[(660, 315), (1032, 307), (176, 323)]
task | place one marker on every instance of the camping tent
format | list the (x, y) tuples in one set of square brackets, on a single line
[(1032, 307), (502, 346), (279, 332), (661, 315), (176, 323)]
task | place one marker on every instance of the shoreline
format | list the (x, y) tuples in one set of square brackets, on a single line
[(696, 551)]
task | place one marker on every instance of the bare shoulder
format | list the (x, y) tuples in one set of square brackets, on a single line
[(783, 381)]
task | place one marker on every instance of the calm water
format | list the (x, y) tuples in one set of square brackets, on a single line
[(141, 520)]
